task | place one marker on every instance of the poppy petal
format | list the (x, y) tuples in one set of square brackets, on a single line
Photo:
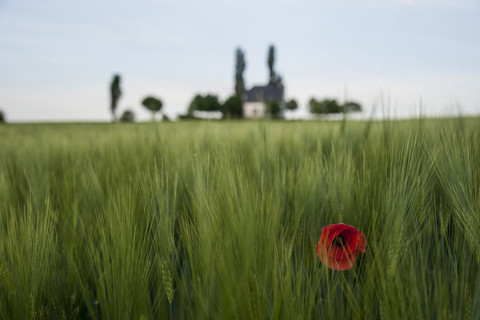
[(361, 243), (333, 230), (340, 264)]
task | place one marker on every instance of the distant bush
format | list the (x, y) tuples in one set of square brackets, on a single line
[(329, 106), (352, 106), (186, 116), (128, 116), (274, 108), (208, 102), (324, 107), (233, 107), (2, 117), (291, 105)]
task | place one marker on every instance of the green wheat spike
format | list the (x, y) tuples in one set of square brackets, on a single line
[(167, 281)]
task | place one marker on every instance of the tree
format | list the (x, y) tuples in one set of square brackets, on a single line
[(233, 107), (153, 104), (291, 105), (274, 108), (351, 106), (325, 106), (328, 106), (332, 106), (271, 63), (317, 107), (115, 93), (212, 103), (208, 102), (128, 116), (239, 69), (196, 104), (2, 117)]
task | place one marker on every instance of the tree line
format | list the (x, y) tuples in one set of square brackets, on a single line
[(329, 106), (232, 107)]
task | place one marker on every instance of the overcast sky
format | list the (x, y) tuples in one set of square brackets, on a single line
[(57, 58)]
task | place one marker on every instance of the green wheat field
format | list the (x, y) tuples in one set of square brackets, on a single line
[(220, 220)]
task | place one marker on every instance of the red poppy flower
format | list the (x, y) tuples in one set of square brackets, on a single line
[(339, 246)]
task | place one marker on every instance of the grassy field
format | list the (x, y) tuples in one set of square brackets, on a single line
[(219, 220)]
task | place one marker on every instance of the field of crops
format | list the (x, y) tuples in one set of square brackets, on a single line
[(220, 220)]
